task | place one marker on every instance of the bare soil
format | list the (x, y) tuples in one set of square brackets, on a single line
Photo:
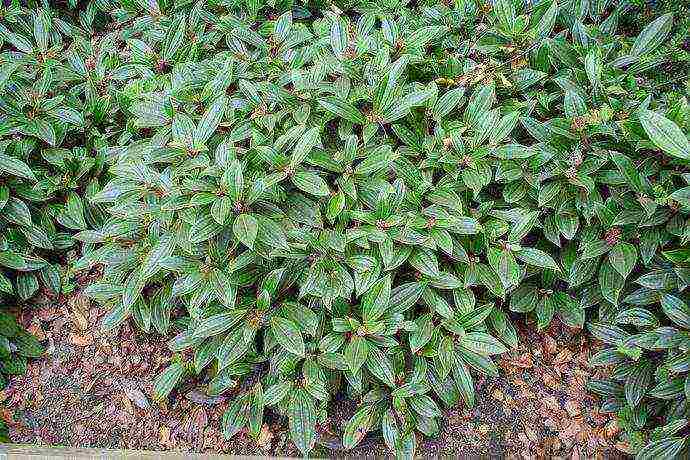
[(93, 389)]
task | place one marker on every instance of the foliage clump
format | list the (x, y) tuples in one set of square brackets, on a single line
[(50, 129), (317, 201)]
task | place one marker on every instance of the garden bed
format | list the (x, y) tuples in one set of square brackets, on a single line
[(348, 227)]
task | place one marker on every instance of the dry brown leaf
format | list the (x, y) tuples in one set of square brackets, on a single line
[(550, 381), (6, 416), (127, 404), (531, 435), (80, 340), (200, 419), (550, 403), (36, 329), (576, 454), (265, 437), (524, 361), (612, 429), (79, 305), (164, 435), (138, 398), (573, 408), (623, 447), (563, 356), (550, 345)]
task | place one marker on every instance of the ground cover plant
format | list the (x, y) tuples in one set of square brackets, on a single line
[(315, 201)]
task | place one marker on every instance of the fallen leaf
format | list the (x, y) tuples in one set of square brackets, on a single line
[(531, 435), (36, 329), (523, 362), (623, 446), (138, 398), (573, 408), (6, 416), (200, 398), (79, 305), (550, 381), (265, 437), (164, 435), (551, 403), (523, 439), (200, 419), (552, 444), (127, 404), (612, 429), (550, 345), (563, 356), (80, 340)]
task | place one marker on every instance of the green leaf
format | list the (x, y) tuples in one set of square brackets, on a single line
[(27, 345), (665, 134), (594, 249), (167, 380), (381, 366), (505, 13), (463, 381), (423, 333), (482, 343), (342, 109), (245, 229), (676, 310), (67, 115), (256, 412), (376, 300), (304, 146), (311, 183), (623, 257), (357, 427), (652, 36), (447, 102), (9, 165), (356, 353), (302, 420), (424, 35), (537, 258), (547, 21), (209, 121), (218, 323), (203, 229), (235, 417), (288, 335), (662, 449), (424, 406)]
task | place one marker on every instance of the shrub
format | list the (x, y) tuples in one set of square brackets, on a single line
[(355, 199), (48, 133)]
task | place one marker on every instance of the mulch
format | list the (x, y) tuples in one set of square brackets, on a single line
[(93, 389)]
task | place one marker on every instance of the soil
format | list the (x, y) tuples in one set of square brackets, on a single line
[(93, 389)]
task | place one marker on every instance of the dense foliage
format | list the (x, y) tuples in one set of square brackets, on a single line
[(320, 200), (48, 164)]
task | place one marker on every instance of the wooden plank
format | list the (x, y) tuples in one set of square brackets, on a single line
[(18, 451)]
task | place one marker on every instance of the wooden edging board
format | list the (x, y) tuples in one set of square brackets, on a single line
[(19, 451)]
